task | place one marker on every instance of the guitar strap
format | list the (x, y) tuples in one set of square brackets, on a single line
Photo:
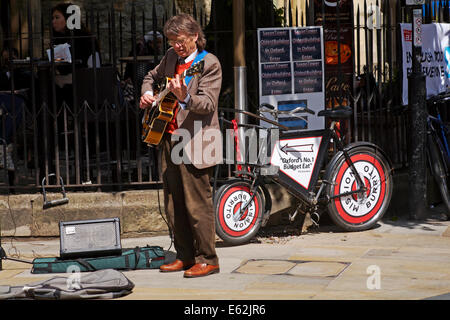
[(172, 124), (198, 58)]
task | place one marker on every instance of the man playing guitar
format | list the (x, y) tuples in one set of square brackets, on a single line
[(187, 189)]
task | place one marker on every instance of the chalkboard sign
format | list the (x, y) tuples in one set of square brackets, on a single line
[(291, 72)]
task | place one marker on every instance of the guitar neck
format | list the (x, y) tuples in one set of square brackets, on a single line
[(166, 90)]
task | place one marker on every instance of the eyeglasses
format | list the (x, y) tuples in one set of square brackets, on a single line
[(179, 42)]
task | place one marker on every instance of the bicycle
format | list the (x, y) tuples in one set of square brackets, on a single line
[(355, 187), (438, 151)]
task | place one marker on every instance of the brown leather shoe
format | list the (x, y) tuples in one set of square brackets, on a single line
[(177, 265), (201, 270)]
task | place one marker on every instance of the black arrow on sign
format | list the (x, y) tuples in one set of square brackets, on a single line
[(297, 148)]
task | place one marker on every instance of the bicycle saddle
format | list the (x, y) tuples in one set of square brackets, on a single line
[(340, 112)]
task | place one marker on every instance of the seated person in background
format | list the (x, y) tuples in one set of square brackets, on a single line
[(21, 75), (83, 51), (11, 105), (13, 114), (144, 47), (154, 46)]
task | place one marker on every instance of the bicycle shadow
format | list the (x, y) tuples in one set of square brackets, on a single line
[(279, 233), (436, 215)]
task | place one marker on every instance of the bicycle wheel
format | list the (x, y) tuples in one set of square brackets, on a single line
[(357, 212), (232, 226), (438, 170)]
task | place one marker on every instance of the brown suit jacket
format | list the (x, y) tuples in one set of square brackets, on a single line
[(198, 124)]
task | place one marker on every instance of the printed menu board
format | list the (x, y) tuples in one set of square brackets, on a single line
[(276, 78), (291, 69), (308, 77), (275, 46), (306, 44)]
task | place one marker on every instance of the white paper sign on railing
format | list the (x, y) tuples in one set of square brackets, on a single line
[(435, 57)]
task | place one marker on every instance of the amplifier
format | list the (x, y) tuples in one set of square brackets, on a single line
[(90, 238)]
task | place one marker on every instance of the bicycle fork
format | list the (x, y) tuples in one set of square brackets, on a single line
[(361, 187), (253, 189)]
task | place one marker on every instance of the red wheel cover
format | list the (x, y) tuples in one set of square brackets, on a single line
[(230, 203), (374, 178)]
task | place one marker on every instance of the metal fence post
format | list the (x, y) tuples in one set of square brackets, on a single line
[(418, 114)]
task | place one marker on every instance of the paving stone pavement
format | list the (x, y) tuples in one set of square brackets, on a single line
[(396, 260)]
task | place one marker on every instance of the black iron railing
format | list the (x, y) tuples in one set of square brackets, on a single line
[(89, 133)]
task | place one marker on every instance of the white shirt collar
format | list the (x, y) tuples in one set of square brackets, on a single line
[(191, 57)]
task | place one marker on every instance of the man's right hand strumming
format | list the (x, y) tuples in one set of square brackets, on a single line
[(147, 101)]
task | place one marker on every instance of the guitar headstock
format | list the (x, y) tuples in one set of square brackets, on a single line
[(196, 68)]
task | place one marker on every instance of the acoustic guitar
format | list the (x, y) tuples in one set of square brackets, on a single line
[(156, 118)]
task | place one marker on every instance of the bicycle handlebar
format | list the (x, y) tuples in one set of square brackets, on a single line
[(247, 113), (432, 101), (441, 97), (265, 107)]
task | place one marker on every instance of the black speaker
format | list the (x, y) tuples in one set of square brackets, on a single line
[(90, 238)]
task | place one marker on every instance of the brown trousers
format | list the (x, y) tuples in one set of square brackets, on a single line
[(189, 208)]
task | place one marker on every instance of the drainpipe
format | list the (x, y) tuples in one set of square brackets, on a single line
[(240, 69), (240, 74)]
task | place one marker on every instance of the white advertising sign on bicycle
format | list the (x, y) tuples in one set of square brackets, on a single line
[(291, 74), (435, 57), (297, 157)]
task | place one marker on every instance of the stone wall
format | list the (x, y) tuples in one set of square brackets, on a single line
[(140, 212)]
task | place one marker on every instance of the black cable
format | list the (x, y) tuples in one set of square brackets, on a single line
[(13, 247), (162, 216), (3, 254)]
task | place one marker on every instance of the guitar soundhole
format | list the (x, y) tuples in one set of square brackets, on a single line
[(159, 125)]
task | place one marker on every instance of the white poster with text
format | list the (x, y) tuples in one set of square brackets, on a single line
[(291, 75), (435, 57)]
